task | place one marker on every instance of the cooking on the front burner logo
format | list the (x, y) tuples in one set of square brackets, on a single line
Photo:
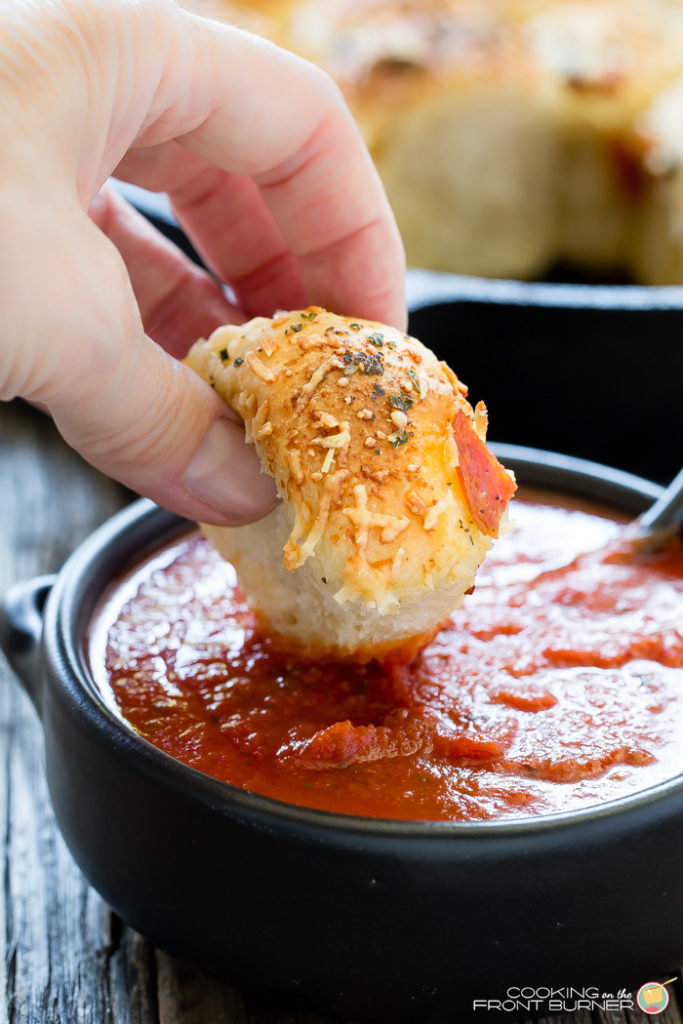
[(653, 997)]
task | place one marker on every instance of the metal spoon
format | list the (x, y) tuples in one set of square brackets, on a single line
[(653, 530)]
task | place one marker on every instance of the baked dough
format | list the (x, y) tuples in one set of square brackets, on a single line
[(511, 134), (390, 498)]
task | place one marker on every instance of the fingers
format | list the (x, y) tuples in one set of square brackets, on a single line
[(126, 405), (178, 301), (330, 205), (296, 208), (239, 239), (228, 223), (258, 112)]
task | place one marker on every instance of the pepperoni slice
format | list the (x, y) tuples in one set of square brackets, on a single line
[(487, 485)]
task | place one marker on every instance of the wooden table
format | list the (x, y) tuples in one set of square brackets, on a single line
[(65, 957)]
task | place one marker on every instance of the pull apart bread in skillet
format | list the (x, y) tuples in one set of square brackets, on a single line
[(510, 134), (390, 498)]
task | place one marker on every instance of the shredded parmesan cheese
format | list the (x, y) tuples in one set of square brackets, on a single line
[(246, 404), (451, 452), (391, 531), (260, 417), (416, 503), (332, 485), (317, 377), (364, 520), (294, 463), (292, 550), (259, 368), (339, 440), (436, 511), (267, 344)]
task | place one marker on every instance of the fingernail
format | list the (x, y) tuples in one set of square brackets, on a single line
[(226, 473)]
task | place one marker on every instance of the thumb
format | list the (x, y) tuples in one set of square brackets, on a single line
[(130, 408)]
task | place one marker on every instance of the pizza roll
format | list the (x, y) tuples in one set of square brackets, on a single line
[(390, 498)]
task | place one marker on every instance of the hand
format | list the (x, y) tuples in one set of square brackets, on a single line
[(266, 172)]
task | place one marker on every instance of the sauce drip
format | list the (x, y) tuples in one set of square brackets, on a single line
[(559, 684)]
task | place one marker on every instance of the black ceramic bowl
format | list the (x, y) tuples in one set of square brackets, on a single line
[(359, 918)]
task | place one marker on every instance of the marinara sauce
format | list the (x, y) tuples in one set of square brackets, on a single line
[(558, 684)]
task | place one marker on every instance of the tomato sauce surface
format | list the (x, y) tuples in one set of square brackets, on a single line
[(558, 684)]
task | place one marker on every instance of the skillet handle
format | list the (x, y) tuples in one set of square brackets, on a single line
[(21, 631)]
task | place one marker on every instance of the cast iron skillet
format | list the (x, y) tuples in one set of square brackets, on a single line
[(588, 369), (354, 917)]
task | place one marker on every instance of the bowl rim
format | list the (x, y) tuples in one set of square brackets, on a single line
[(65, 654)]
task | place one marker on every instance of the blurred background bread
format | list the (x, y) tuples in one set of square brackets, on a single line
[(511, 135)]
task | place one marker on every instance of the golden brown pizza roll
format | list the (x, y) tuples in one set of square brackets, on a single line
[(390, 498)]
